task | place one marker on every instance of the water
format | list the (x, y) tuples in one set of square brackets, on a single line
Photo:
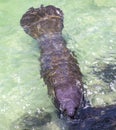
[(90, 31)]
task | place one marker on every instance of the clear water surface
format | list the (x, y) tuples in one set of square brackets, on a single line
[(90, 30)]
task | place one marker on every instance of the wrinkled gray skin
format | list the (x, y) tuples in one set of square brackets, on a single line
[(59, 68)]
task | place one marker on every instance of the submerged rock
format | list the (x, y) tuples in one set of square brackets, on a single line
[(101, 118)]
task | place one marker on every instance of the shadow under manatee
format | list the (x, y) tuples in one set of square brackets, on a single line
[(90, 118), (32, 121)]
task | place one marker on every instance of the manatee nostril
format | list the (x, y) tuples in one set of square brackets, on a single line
[(70, 112)]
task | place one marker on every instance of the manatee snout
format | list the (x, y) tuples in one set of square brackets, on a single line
[(69, 101)]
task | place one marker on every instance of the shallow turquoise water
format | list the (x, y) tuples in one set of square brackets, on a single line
[(90, 30)]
